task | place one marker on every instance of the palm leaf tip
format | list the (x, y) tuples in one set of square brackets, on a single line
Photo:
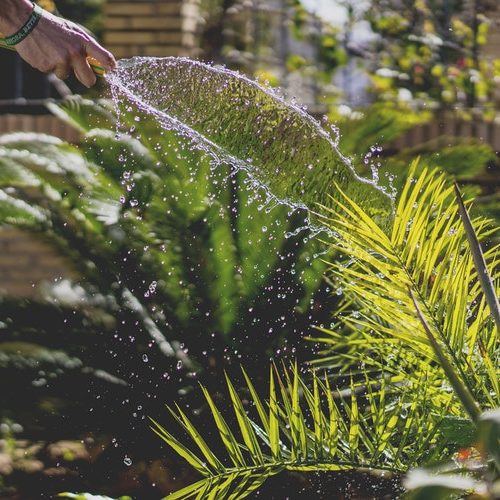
[(306, 426)]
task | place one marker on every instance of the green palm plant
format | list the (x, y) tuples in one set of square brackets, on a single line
[(415, 350), (416, 321), (424, 260), (174, 189), (302, 426)]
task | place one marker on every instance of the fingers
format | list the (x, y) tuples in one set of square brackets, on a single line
[(83, 71), (99, 53), (78, 60), (81, 66)]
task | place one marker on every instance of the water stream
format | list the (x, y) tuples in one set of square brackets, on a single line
[(287, 154), (287, 158)]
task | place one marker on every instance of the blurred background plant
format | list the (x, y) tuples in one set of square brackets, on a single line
[(431, 52), (176, 269)]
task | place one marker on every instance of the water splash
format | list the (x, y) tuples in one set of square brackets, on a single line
[(285, 152)]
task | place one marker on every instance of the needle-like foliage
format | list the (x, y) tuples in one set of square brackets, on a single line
[(420, 348), (424, 260), (305, 425)]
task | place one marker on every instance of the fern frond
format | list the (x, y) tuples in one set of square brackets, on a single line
[(18, 212), (84, 114)]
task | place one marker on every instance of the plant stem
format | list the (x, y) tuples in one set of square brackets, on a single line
[(479, 262), (461, 390)]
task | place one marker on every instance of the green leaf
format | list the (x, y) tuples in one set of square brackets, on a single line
[(489, 434), (457, 430), (197, 439), (479, 261), (232, 446), (274, 434), (354, 430), (245, 425), (84, 114), (257, 402), (18, 212), (180, 449)]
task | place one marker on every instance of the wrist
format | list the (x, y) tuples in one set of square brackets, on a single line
[(13, 15)]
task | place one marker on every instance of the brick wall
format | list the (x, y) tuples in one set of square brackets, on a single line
[(447, 128), (26, 262), (151, 28), (46, 124)]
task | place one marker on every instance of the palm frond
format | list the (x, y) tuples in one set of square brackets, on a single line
[(426, 250), (302, 427), (84, 114), (19, 213)]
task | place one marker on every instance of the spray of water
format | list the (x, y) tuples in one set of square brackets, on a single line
[(286, 153), (288, 157)]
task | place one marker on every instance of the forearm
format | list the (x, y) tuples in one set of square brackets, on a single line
[(13, 14)]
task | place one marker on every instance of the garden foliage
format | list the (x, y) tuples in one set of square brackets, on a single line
[(181, 269), (410, 364), (177, 269)]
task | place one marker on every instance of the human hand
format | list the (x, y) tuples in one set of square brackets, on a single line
[(56, 45)]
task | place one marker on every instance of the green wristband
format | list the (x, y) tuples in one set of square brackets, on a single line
[(27, 28)]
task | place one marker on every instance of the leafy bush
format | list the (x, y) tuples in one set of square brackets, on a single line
[(366, 133)]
